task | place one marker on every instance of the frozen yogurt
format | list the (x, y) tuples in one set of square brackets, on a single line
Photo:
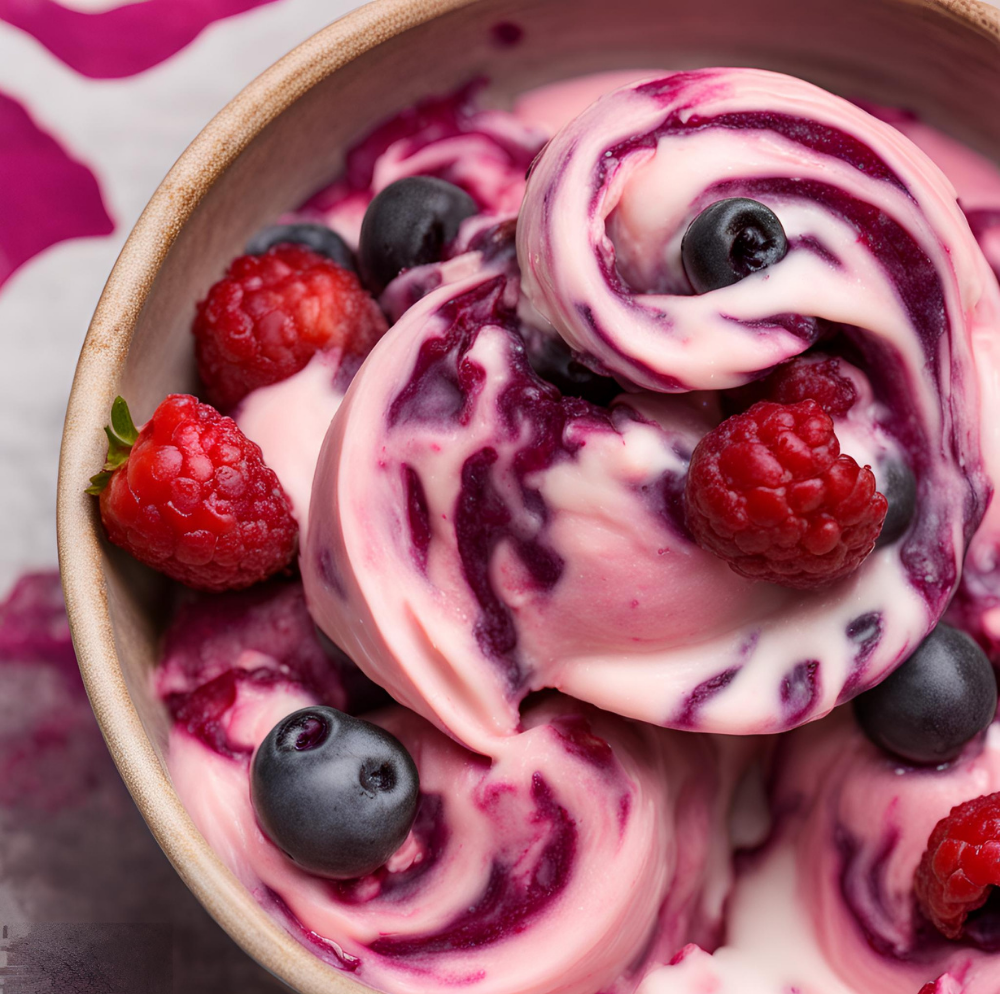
[(544, 538), (502, 582)]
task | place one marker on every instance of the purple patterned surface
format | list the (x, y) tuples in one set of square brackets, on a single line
[(46, 196), (124, 40)]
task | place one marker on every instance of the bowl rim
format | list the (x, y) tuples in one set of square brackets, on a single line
[(101, 361)]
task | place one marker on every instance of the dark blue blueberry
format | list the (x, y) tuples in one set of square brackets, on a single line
[(317, 237), (982, 926), (730, 240), (499, 243), (409, 224), (899, 486), (336, 793), (942, 697), (551, 359)]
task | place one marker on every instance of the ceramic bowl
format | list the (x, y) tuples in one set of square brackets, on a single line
[(282, 138)]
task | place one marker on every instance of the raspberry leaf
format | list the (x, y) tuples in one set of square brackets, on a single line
[(97, 483), (117, 450), (122, 435), (121, 422)]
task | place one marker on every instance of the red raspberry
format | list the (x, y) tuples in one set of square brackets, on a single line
[(808, 377), (271, 313), (769, 492), (960, 864), (812, 378), (190, 496)]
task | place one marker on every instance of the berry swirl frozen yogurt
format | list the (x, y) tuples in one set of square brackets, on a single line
[(544, 540), (557, 866), (827, 905), (660, 406)]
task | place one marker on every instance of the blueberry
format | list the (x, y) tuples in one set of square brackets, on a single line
[(336, 793), (317, 237), (408, 224), (551, 359), (499, 243), (899, 486), (730, 240), (938, 700)]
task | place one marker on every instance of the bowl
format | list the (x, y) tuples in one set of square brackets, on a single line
[(281, 139)]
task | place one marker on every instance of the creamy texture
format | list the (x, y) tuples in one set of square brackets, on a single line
[(475, 534), (611, 196), (977, 182), (486, 152), (826, 905), (725, 972), (556, 866), (853, 825), (550, 107), (511, 509), (289, 420), (543, 539)]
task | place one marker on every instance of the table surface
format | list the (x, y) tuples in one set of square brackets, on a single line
[(97, 100)]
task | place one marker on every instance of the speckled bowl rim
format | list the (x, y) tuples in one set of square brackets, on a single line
[(80, 552), (101, 361)]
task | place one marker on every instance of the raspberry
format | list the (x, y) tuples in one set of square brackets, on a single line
[(960, 864), (812, 378), (271, 313), (190, 496), (808, 377), (769, 492)]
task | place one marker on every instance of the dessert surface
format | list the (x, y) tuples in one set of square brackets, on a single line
[(627, 436)]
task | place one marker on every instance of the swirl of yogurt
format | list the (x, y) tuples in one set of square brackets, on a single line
[(727, 971), (481, 536), (558, 867), (484, 151), (852, 826), (826, 904), (880, 257), (876, 239)]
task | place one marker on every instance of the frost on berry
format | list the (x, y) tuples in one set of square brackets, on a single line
[(770, 492)]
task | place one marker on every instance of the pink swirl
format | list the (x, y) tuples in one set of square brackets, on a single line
[(485, 152), (557, 867), (482, 536), (854, 824)]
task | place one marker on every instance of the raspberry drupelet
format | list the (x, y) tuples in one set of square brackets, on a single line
[(806, 377), (961, 864), (812, 378), (271, 313), (190, 496), (770, 492)]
